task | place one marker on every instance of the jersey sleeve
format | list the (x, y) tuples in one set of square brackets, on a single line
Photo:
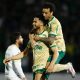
[(54, 29), (45, 34), (53, 45)]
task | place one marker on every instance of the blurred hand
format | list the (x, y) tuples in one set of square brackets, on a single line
[(31, 36), (6, 60), (50, 68), (51, 40), (36, 37)]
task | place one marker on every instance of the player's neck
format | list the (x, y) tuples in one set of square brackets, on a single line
[(40, 30), (17, 44), (50, 18)]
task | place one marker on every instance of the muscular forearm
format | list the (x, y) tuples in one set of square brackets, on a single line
[(54, 59), (55, 56), (45, 40), (33, 42), (25, 52), (48, 40)]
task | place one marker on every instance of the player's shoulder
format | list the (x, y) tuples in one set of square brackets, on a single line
[(11, 47), (56, 20)]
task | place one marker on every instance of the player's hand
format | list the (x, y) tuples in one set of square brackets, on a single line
[(50, 68), (51, 39), (31, 36), (36, 37), (5, 61)]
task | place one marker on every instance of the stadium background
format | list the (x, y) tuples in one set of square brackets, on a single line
[(16, 15)]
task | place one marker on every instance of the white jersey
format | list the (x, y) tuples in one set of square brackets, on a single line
[(13, 69)]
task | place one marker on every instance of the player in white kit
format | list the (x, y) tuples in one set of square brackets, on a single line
[(13, 69)]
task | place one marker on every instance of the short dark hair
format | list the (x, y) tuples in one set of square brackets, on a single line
[(41, 18), (14, 36), (49, 5)]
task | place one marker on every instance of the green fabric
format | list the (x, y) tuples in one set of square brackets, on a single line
[(46, 76), (41, 71), (38, 47), (61, 55), (48, 29)]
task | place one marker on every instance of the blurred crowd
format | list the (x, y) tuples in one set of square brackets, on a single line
[(16, 15)]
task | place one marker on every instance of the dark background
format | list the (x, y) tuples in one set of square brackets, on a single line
[(16, 15)]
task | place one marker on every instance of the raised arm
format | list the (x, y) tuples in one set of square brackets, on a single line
[(32, 41)]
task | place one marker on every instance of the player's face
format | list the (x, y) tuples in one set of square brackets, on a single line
[(36, 22), (20, 40), (46, 13)]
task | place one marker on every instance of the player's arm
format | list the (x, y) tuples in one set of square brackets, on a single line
[(54, 48), (44, 39), (32, 41), (18, 56), (54, 58), (47, 40), (55, 54), (53, 34)]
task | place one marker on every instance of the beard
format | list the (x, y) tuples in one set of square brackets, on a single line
[(20, 43), (34, 30)]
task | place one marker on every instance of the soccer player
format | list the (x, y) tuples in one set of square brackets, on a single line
[(40, 50), (13, 69), (57, 44)]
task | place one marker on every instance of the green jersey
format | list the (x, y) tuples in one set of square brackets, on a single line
[(40, 53), (55, 29)]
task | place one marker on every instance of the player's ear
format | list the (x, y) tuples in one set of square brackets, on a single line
[(52, 13)]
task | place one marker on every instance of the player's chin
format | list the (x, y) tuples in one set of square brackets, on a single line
[(20, 43), (45, 18)]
